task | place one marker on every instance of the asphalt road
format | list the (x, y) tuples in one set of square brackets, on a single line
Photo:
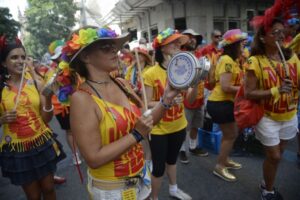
[(195, 178)]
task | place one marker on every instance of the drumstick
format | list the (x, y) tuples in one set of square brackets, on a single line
[(147, 113), (20, 88), (141, 78), (283, 59)]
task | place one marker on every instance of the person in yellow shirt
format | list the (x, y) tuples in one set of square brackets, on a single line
[(168, 135), (29, 151), (275, 86), (220, 102), (107, 123), (132, 74)]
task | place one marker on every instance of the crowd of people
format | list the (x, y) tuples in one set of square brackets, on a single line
[(123, 117)]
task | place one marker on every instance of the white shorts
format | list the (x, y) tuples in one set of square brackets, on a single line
[(270, 132)]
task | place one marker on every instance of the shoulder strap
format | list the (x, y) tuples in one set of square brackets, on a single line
[(94, 89), (262, 73), (125, 86)]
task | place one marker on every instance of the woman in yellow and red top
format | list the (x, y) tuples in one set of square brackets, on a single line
[(106, 123), (220, 102), (28, 151), (168, 135), (278, 94)]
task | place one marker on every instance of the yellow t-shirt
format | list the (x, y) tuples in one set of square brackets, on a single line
[(29, 129), (174, 119), (132, 75), (225, 65), (117, 122), (286, 108)]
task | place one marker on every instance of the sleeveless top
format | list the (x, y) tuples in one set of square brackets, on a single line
[(29, 130), (117, 122)]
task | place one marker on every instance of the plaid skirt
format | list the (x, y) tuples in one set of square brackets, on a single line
[(25, 167)]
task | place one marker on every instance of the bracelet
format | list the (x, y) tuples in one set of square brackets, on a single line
[(50, 110), (138, 137), (166, 106)]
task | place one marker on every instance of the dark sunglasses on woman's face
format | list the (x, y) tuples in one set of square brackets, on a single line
[(218, 36), (107, 48), (277, 32)]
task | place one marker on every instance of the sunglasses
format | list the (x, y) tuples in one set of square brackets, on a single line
[(218, 36), (277, 32), (107, 48)]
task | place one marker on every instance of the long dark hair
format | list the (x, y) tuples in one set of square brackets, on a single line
[(159, 57), (232, 50), (258, 47), (5, 49)]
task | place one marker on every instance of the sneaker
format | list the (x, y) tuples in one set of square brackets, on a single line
[(183, 158), (233, 165), (76, 159), (224, 174), (179, 194), (198, 152), (271, 196)]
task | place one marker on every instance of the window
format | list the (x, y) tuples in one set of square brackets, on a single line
[(180, 24), (233, 25), (154, 32), (250, 15), (219, 25)]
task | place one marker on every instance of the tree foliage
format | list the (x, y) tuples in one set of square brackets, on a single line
[(8, 26), (48, 21)]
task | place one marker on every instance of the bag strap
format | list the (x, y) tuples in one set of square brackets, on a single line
[(126, 87), (262, 73)]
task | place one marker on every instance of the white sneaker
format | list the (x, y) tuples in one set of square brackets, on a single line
[(179, 194), (76, 156)]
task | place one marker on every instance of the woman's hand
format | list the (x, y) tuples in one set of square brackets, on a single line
[(8, 117), (178, 99), (286, 86), (144, 125), (170, 93)]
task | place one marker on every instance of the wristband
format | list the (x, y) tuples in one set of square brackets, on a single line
[(50, 110), (138, 137), (166, 106), (275, 93)]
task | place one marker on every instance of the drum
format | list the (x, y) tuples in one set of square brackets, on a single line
[(185, 70)]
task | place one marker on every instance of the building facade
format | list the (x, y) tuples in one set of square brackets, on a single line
[(145, 18)]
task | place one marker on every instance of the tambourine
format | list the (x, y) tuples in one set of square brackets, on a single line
[(185, 70)]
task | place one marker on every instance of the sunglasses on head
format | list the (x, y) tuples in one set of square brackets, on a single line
[(218, 36)]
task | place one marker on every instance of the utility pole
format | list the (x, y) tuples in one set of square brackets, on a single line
[(83, 13)]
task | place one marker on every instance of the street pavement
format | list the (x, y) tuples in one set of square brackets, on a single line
[(195, 178)]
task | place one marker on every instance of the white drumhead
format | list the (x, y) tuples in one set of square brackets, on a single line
[(182, 70)]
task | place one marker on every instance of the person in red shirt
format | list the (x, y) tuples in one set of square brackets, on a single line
[(212, 52), (193, 110)]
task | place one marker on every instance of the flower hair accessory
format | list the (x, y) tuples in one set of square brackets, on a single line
[(86, 37), (280, 7)]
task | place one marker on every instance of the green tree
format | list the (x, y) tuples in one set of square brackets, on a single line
[(48, 21), (8, 26)]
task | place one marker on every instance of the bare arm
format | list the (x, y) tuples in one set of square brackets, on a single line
[(251, 87), (149, 94), (191, 94), (85, 127), (225, 82), (46, 103)]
